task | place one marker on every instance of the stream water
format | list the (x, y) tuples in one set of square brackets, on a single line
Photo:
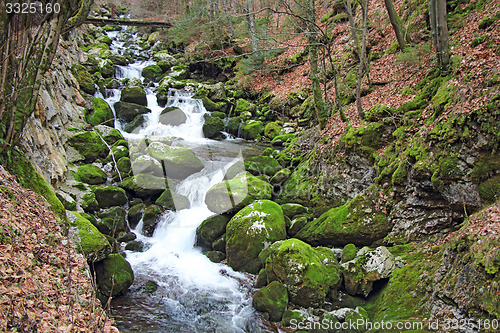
[(194, 294)]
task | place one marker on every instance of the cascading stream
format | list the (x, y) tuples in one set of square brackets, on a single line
[(194, 294)]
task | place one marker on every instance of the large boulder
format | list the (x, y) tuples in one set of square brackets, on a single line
[(136, 125), (91, 243), (367, 267), (144, 185), (356, 222), (135, 214), (109, 196), (152, 73), (252, 229), (173, 201), (213, 127), (179, 163), (129, 111), (84, 79), (272, 299), (109, 134), (309, 274), (262, 165), (114, 275), (100, 113), (134, 94), (251, 129), (90, 174), (211, 229), (165, 59), (172, 116), (234, 194), (292, 209), (147, 164), (150, 220), (112, 221), (89, 145)]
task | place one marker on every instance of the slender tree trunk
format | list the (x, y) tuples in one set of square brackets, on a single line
[(439, 29), (229, 21), (361, 60), (252, 31), (352, 24), (395, 22), (319, 104)]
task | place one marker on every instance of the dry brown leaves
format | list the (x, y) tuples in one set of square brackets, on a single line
[(43, 282)]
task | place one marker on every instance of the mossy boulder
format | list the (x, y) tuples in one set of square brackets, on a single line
[(235, 169), (144, 185), (233, 125), (212, 106), (212, 127), (147, 164), (114, 275), (90, 174), (165, 57), (124, 166), (110, 135), (112, 221), (232, 195), (129, 111), (118, 152), (211, 229), (348, 253), (173, 201), (356, 222), (135, 125), (281, 176), (152, 73), (309, 274), (293, 209), (134, 94), (106, 68), (250, 231), (252, 129), (272, 299), (89, 145), (100, 113), (91, 243), (135, 214), (272, 130), (172, 116), (262, 165), (242, 105), (109, 196), (179, 163), (150, 220), (84, 79), (89, 203)]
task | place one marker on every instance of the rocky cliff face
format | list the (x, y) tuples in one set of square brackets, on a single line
[(59, 109)]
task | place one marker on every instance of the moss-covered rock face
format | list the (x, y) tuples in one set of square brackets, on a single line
[(356, 222), (212, 106), (211, 229), (272, 299), (212, 127), (109, 196), (124, 166), (232, 195), (272, 130), (150, 219), (90, 174), (292, 209), (84, 79), (112, 221), (152, 73), (173, 201), (114, 275), (252, 129), (172, 116), (144, 185), (135, 214), (250, 231), (262, 165), (100, 113), (129, 111), (89, 145), (135, 95), (309, 274), (91, 243)]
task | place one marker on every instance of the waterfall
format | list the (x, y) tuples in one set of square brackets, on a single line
[(194, 294)]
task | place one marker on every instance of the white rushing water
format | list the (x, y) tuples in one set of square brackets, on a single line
[(195, 294)]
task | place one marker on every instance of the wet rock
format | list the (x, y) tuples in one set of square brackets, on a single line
[(114, 275), (179, 163), (144, 185), (262, 165), (135, 214), (147, 165), (100, 113), (216, 256), (135, 125), (272, 299), (109, 196), (252, 229), (173, 201), (135, 95), (129, 111), (232, 195), (251, 129), (367, 267), (152, 73), (212, 127), (136, 246), (112, 221), (172, 116), (309, 274), (211, 229), (150, 219)]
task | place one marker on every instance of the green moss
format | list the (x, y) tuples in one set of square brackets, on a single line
[(262, 165), (489, 190), (485, 167), (213, 106), (114, 275), (93, 245), (172, 201), (100, 114), (400, 174), (84, 79), (272, 299), (252, 129), (29, 177), (443, 97), (349, 252), (89, 145), (272, 130), (90, 174), (152, 73), (135, 95)]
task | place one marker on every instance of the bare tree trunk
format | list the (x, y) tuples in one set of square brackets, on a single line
[(252, 31), (395, 22), (319, 104), (362, 60), (439, 29), (229, 21), (352, 24)]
